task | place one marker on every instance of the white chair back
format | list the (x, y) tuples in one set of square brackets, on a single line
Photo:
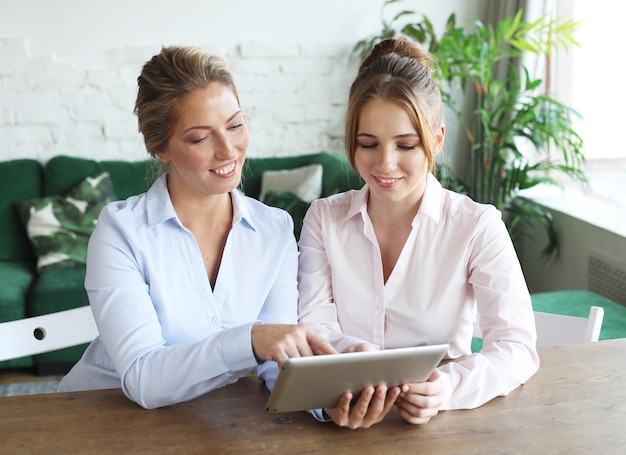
[(558, 329), (46, 333)]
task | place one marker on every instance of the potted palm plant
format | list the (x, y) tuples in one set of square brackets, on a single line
[(518, 135)]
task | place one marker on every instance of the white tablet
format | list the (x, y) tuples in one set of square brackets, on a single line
[(319, 381)]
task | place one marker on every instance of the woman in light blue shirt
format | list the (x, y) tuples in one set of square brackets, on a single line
[(192, 284)]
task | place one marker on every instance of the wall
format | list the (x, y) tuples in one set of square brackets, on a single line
[(68, 68), (592, 238)]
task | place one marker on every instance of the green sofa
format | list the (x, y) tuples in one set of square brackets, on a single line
[(26, 292)]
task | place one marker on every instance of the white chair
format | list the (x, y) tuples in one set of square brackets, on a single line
[(558, 329), (46, 333)]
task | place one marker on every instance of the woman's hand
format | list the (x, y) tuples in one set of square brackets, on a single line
[(419, 402), (362, 347), (280, 342), (373, 405)]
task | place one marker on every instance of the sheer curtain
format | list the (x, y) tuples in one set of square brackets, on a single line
[(539, 66)]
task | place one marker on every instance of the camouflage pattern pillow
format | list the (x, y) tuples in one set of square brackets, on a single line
[(59, 226)]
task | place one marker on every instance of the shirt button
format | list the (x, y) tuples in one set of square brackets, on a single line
[(214, 320), (379, 306)]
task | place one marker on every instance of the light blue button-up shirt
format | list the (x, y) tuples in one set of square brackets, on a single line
[(165, 335)]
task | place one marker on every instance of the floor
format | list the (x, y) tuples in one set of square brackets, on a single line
[(10, 376)]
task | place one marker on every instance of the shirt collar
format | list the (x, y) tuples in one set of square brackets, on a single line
[(160, 208), (240, 209), (432, 199), (358, 205), (430, 206)]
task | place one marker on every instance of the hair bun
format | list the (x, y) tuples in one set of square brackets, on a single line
[(401, 46)]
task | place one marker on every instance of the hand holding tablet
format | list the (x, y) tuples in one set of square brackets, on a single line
[(319, 381)]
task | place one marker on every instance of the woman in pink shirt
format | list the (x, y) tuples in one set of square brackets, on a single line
[(404, 262)]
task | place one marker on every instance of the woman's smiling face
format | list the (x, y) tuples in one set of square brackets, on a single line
[(208, 142), (389, 153)]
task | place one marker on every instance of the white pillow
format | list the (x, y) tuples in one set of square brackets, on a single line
[(305, 182)]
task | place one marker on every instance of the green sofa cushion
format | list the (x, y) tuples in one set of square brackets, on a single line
[(16, 278), (129, 177), (57, 290), (19, 179)]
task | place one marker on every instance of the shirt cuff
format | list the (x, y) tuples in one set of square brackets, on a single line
[(446, 385), (237, 348), (320, 415)]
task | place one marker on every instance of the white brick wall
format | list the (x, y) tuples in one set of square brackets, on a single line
[(294, 97), (68, 69)]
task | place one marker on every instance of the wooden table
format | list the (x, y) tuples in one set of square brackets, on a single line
[(576, 403)]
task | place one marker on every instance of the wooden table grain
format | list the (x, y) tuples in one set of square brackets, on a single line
[(576, 403)]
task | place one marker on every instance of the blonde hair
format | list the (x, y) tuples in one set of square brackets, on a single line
[(398, 70), (166, 79)]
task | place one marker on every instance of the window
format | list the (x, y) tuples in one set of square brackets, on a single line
[(587, 79)]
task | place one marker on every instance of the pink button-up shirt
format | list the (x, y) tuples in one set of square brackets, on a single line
[(457, 261)]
